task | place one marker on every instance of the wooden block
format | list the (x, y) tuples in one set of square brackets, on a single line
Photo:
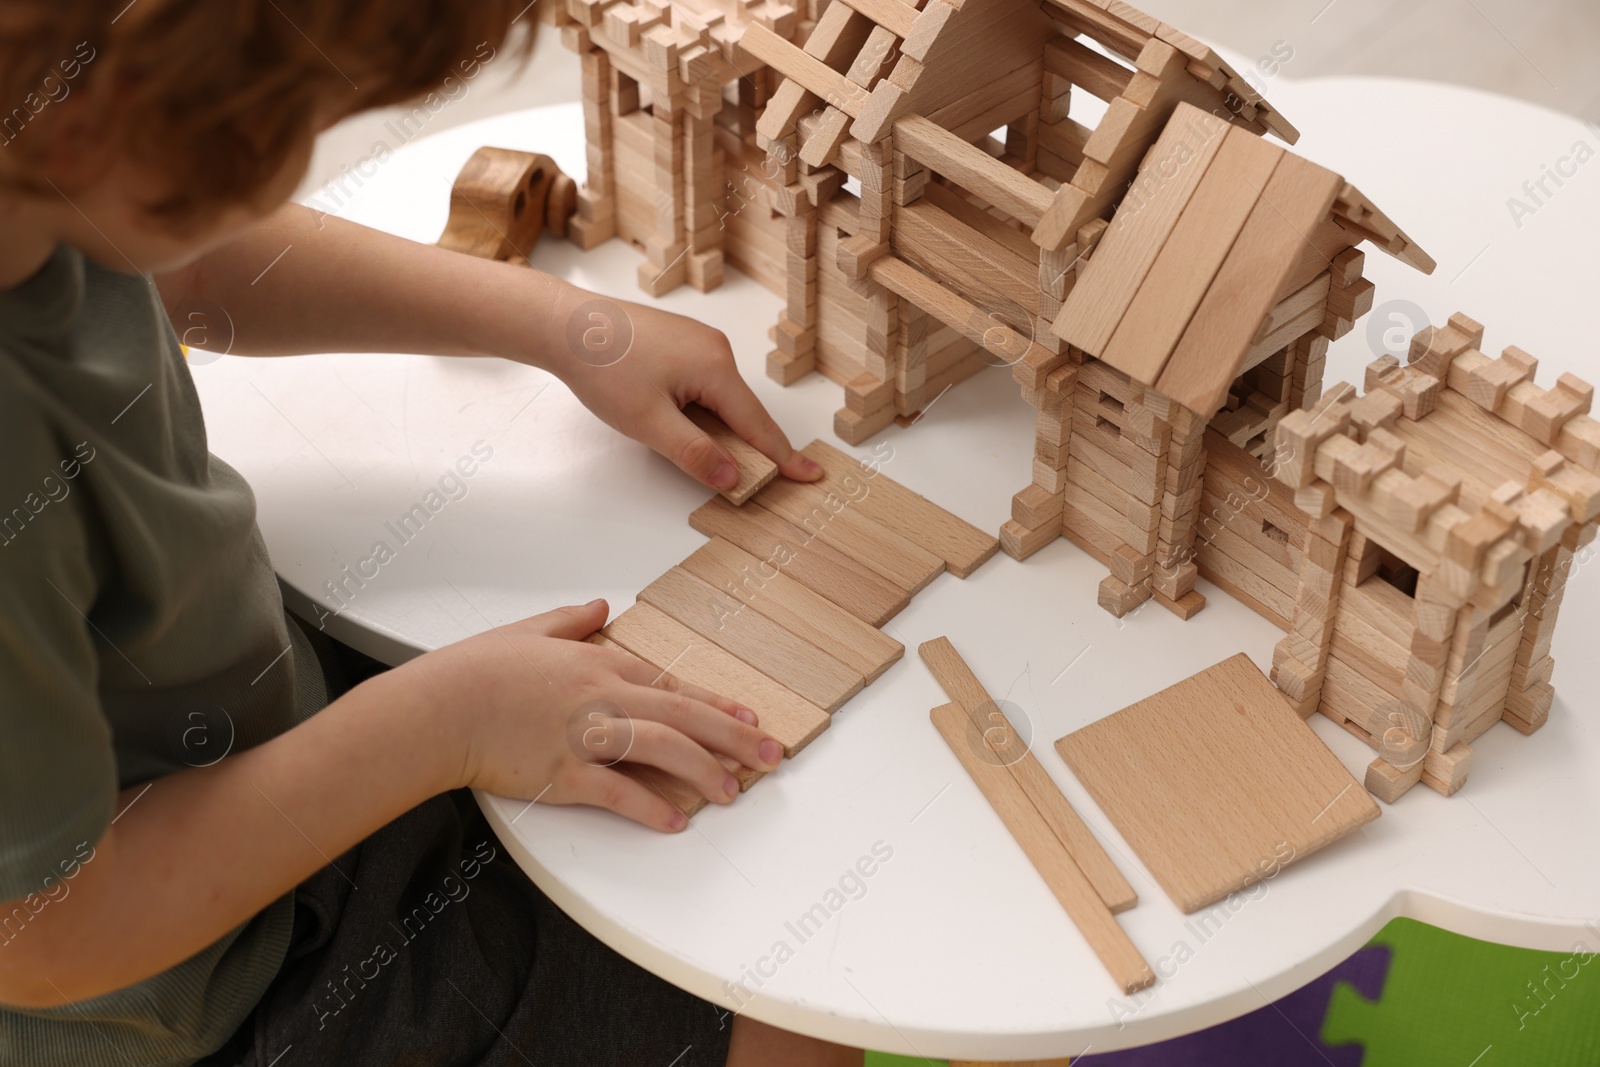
[(813, 618), (666, 643), (1388, 783), (721, 619), (818, 566), (1216, 782), (1184, 607), (755, 469), (962, 546), (1048, 855), (1110, 281), (1192, 255), (1208, 356), (833, 517), (1117, 596)]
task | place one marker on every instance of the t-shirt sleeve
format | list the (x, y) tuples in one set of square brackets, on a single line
[(58, 771)]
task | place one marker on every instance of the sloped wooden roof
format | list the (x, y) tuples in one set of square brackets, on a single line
[(1219, 226), (943, 49)]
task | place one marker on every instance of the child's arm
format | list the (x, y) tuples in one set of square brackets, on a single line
[(196, 853), (340, 287)]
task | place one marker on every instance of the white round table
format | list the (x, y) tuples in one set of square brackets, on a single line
[(952, 946)]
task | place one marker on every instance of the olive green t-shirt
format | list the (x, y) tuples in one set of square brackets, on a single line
[(141, 633)]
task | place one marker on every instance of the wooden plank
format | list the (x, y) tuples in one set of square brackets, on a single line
[(1205, 361), (955, 311), (949, 247), (1087, 69), (819, 567), (807, 70), (662, 641), (892, 15), (755, 469), (1109, 281), (1216, 782), (833, 517), (961, 545), (1193, 254), (972, 168), (819, 621), (788, 660), (993, 738), (1049, 857)]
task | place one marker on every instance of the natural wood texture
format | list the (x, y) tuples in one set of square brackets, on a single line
[(1208, 356), (995, 739), (755, 469), (972, 168), (721, 619), (664, 642), (1049, 857), (834, 517), (501, 201), (1192, 255), (725, 133), (816, 565), (967, 318), (962, 546), (1256, 788), (767, 589), (1159, 194)]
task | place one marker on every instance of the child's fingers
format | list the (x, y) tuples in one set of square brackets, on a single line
[(708, 726), (673, 684), (671, 750), (602, 787), (573, 621), (737, 406), (670, 432)]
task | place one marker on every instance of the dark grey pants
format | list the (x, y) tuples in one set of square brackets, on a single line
[(426, 946)]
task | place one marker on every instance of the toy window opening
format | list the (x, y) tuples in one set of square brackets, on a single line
[(1274, 533), (1379, 563)]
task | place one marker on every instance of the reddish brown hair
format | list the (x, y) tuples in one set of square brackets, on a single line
[(216, 95)]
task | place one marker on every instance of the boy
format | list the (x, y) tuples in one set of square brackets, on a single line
[(163, 909)]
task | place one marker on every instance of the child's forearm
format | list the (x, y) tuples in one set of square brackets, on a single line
[(196, 853), (342, 287)]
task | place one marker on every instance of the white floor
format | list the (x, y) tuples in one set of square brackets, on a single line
[(1545, 51)]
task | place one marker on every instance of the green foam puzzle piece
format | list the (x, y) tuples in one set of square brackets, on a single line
[(885, 1059), (1458, 1001)]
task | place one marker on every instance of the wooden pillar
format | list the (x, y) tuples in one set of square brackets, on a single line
[(1175, 571), (1300, 659), (666, 248), (596, 219), (1036, 512), (703, 186)]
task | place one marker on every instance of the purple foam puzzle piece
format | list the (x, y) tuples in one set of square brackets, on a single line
[(1282, 1034)]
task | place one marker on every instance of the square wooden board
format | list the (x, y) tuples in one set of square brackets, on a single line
[(1216, 782)]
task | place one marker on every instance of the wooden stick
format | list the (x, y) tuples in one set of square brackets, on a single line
[(991, 727), (1048, 856)]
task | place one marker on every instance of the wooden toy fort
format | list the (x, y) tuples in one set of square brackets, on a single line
[(916, 179)]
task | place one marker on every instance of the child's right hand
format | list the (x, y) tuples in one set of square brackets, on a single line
[(540, 713)]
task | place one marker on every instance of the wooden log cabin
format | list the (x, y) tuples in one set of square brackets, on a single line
[(1076, 191), (911, 176)]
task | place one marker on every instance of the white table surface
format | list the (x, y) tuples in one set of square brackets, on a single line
[(955, 948)]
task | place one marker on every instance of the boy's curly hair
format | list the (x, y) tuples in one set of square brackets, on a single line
[(217, 94)]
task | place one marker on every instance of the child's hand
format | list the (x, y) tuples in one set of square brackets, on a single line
[(668, 361), (542, 713)]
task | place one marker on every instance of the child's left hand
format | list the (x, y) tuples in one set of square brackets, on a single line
[(636, 367)]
